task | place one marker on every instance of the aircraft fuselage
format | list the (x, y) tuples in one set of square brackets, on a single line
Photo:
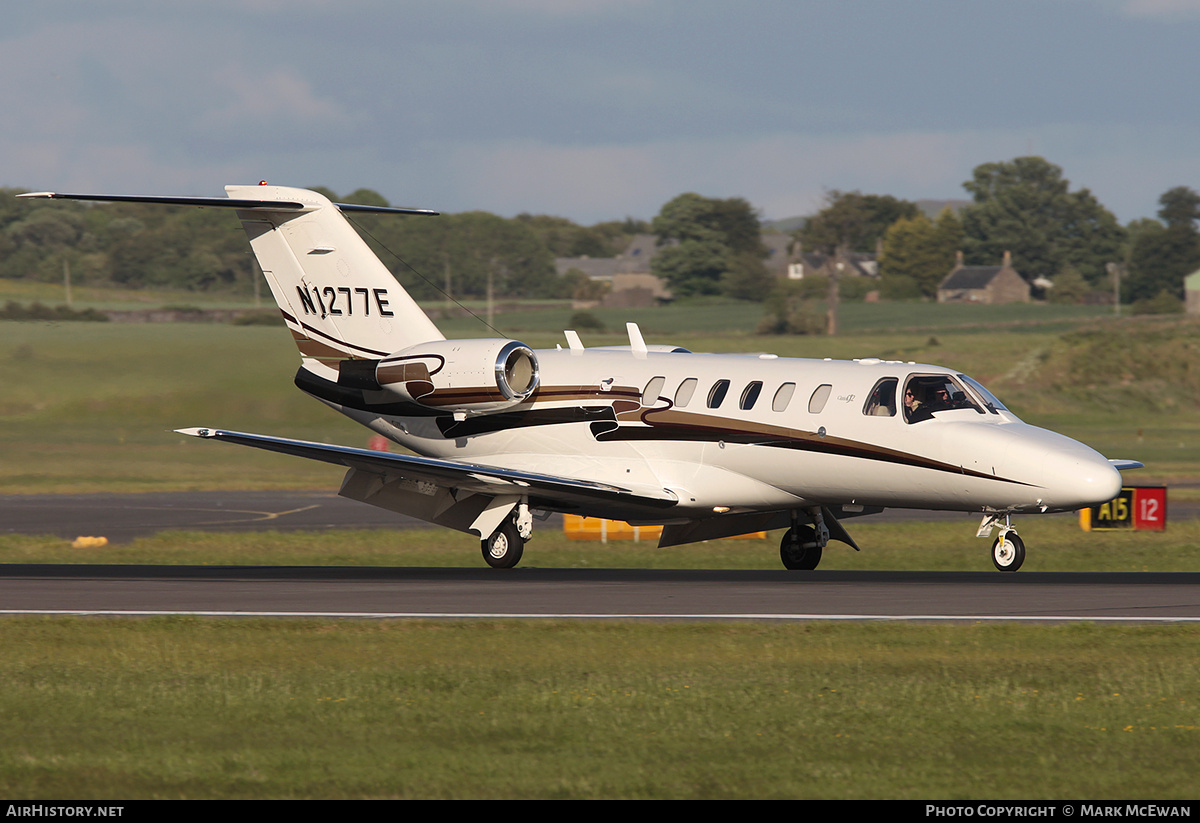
[(732, 433)]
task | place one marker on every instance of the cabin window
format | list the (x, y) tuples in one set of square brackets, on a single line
[(750, 395), (716, 395), (820, 395), (927, 394), (683, 394), (653, 390), (783, 396), (881, 402)]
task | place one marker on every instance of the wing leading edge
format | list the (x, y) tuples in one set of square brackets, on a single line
[(469, 477)]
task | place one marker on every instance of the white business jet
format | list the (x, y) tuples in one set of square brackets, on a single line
[(707, 445)]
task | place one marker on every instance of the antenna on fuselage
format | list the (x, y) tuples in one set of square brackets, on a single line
[(636, 344), (573, 341)]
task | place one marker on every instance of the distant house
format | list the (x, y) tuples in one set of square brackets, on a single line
[(1191, 293), (628, 274), (984, 284), (800, 264)]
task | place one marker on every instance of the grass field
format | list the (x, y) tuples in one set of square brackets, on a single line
[(192, 708)]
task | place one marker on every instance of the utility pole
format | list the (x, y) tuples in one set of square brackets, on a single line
[(834, 296), (490, 291), (1114, 272)]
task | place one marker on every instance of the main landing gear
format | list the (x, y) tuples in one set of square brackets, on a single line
[(1008, 552), (502, 549), (801, 547)]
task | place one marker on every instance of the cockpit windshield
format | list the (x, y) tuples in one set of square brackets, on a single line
[(927, 394), (990, 401)]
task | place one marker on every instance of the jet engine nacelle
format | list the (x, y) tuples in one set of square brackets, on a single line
[(461, 375)]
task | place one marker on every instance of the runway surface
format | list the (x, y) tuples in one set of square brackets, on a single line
[(627, 594), (522, 592), (124, 517)]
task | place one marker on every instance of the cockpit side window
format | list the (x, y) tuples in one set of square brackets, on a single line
[(990, 401), (927, 394), (881, 402)]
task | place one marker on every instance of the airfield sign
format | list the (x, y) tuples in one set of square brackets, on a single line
[(1141, 508)]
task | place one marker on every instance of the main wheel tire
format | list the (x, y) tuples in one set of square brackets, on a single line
[(503, 549), (799, 550), (1008, 552)]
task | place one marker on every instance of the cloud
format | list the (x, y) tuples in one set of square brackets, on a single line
[(277, 96), (1170, 9), (782, 175)]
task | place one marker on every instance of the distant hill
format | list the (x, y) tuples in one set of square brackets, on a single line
[(787, 225)]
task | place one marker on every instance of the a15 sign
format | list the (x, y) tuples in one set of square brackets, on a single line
[(1136, 507)]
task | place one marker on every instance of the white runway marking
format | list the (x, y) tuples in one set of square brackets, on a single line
[(1045, 618)]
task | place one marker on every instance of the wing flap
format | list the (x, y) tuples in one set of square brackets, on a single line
[(473, 477)]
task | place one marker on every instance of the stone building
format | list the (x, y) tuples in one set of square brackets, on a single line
[(984, 284)]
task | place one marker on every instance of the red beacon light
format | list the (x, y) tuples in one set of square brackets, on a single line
[(262, 182)]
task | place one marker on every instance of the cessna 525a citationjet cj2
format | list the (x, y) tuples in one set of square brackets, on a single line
[(707, 445)]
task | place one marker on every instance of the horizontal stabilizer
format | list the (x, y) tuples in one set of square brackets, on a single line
[(1125, 465), (222, 203)]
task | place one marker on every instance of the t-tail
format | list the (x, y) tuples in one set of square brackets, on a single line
[(338, 299)]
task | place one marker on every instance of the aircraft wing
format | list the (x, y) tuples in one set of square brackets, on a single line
[(473, 477), (1126, 465)]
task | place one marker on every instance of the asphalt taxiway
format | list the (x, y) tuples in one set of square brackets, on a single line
[(124, 517), (526, 591)]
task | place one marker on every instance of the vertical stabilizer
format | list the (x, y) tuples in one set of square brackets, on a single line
[(336, 296)]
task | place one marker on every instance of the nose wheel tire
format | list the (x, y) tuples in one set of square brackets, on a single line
[(503, 549), (799, 550), (1008, 552)]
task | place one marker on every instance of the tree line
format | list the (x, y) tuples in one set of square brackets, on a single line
[(137, 245), (708, 246)]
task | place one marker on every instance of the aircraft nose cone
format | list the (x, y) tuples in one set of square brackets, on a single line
[(1096, 482), (1077, 477)]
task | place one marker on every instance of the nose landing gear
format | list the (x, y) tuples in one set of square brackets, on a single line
[(1008, 552)]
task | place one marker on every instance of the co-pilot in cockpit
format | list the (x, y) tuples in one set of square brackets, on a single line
[(927, 394)]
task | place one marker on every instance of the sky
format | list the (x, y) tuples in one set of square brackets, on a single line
[(599, 109)]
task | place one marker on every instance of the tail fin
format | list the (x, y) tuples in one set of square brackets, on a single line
[(337, 298)]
